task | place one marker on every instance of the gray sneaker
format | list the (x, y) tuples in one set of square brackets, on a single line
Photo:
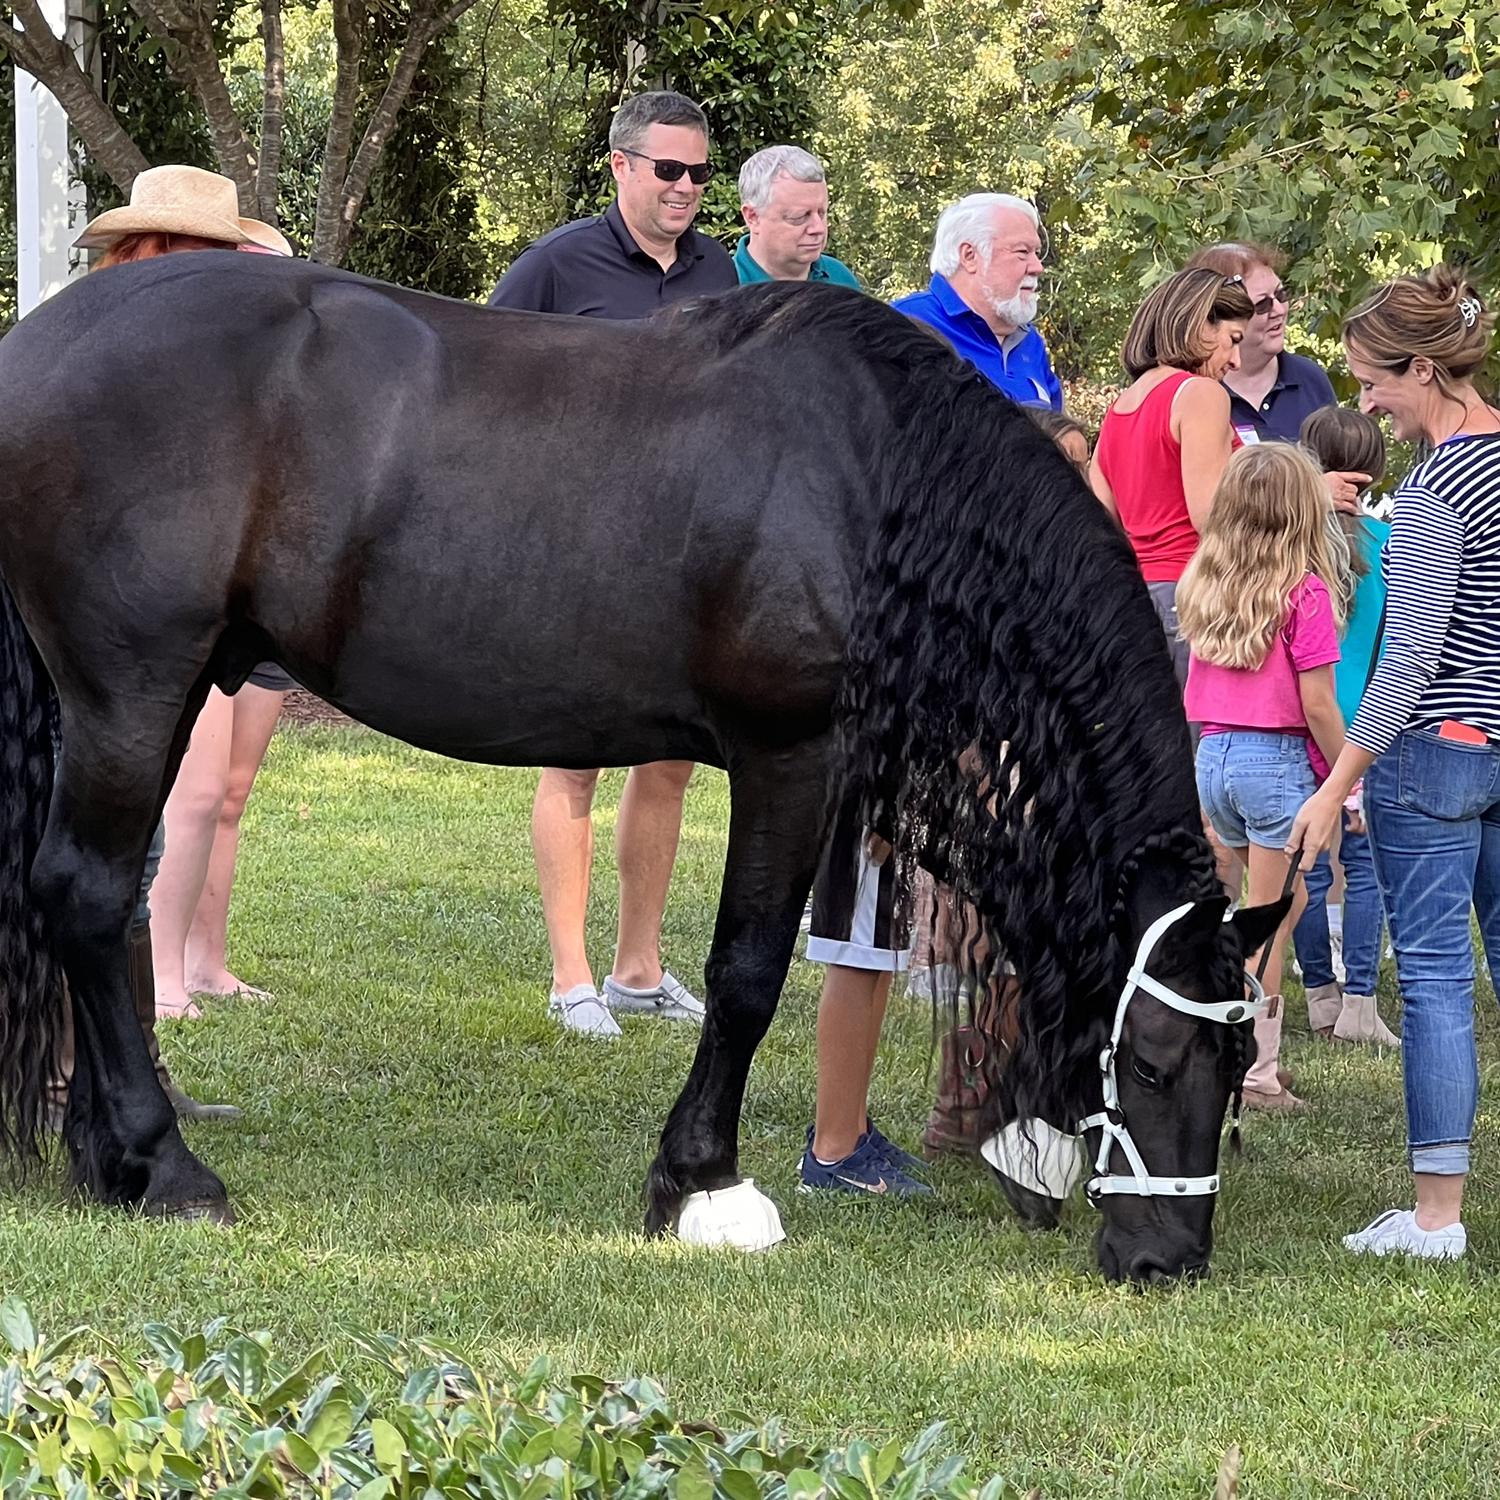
[(672, 1000), (582, 1010)]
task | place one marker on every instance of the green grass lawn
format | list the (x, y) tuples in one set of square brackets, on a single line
[(425, 1153)]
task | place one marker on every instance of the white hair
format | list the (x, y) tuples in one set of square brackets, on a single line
[(971, 221), (757, 175)]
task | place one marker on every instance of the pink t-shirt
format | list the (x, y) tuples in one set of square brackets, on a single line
[(1228, 698)]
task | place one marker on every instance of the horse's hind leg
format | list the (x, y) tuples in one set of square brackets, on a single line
[(121, 1131), (778, 807)]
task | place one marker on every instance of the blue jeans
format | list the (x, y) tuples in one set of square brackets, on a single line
[(1310, 936), (1251, 783), (1434, 812), (1364, 916)]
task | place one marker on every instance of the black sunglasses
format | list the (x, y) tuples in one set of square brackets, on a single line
[(1276, 294), (670, 171)]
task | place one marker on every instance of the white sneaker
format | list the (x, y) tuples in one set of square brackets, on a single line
[(672, 1000), (1396, 1232), (582, 1010)]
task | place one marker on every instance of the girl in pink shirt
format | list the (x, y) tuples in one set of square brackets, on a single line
[(1261, 606)]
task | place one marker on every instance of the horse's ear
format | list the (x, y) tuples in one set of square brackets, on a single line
[(1253, 925), (1194, 929)]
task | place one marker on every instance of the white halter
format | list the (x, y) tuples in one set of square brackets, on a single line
[(1111, 1120)]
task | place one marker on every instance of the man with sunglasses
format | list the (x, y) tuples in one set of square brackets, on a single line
[(641, 254)]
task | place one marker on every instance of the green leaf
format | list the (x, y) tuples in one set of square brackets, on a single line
[(374, 1489), (12, 1390), (693, 1481), (332, 1426), (182, 1470), (924, 1442), (245, 1367), (389, 1445), (739, 1484), (16, 1326), (803, 1484), (534, 1379), (887, 1460), (49, 1454), (302, 1454), (292, 1388)]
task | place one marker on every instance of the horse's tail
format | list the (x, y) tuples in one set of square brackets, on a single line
[(1009, 718), (32, 994)]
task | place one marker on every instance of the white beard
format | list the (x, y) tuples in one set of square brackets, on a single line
[(1019, 311)]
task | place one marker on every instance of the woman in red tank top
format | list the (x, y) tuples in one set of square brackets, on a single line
[(1164, 443)]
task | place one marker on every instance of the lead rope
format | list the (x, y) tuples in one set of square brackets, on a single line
[(1236, 1144)]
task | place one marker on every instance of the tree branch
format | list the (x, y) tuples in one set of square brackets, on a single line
[(424, 28), (272, 112), (36, 50)]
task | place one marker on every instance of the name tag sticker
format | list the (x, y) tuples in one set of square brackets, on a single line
[(1248, 434)]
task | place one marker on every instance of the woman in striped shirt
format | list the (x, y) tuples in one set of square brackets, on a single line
[(1427, 735)]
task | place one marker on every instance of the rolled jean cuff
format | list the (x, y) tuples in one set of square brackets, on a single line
[(1447, 1159)]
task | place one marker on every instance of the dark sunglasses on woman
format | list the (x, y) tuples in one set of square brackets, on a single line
[(670, 171)]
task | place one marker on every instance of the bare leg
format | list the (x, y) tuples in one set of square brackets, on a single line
[(1268, 869), (646, 835), (1440, 1199), (562, 837), (192, 819), (205, 965), (849, 1020)]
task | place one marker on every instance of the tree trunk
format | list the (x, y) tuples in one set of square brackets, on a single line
[(35, 49), (424, 28), (196, 62), (348, 34), (272, 113)]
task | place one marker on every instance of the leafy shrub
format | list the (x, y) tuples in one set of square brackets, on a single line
[(216, 1413)]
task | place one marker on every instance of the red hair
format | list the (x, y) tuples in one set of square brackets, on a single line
[(148, 246)]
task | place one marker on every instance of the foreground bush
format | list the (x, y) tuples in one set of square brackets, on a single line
[(215, 1413)]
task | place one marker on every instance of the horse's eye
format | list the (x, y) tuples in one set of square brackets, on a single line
[(1145, 1074)]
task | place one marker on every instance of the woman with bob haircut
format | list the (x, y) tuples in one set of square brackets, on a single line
[(1164, 443), (1426, 738)]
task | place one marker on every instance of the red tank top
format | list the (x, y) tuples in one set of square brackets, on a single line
[(1142, 461)]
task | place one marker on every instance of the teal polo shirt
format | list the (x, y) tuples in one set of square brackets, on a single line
[(824, 268)]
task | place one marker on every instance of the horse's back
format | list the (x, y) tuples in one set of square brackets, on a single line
[(377, 485)]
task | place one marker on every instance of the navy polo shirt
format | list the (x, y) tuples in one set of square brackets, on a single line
[(1019, 366), (594, 268), (1302, 387)]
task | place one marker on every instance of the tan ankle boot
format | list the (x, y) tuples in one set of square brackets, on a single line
[(1359, 1021), (1324, 1003), (143, 993)]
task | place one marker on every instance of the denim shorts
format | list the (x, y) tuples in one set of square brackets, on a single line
[(1252, 784)]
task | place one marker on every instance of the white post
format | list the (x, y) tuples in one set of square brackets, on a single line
[(50, 204)]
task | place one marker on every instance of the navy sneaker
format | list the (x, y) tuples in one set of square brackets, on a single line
[(902, 1161), (864, 1170)]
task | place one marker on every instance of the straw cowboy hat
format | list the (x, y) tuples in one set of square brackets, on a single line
[(181, 200)]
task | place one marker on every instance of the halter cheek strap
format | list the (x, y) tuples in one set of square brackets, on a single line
[(1111, 1119)]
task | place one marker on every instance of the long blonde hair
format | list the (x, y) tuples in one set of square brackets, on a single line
[(1267, 531)]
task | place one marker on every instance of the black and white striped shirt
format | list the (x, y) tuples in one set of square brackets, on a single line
[(1442, 613)]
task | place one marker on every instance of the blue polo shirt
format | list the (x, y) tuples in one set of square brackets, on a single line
[(824, 268), (1019, 366), (1301, 388)]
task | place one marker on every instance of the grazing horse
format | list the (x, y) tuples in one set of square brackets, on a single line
[(866, 567)]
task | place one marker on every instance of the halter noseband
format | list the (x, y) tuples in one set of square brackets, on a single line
[(1111, 1119)]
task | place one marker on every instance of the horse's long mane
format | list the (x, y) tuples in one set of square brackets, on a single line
[(1010, 720)]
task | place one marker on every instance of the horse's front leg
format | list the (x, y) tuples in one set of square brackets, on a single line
[(778, 809)]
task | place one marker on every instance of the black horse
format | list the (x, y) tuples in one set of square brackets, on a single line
[(873, 584)]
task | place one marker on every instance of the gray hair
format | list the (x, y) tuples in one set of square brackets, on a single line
[(971, 221), (757, 175), (659, 107)]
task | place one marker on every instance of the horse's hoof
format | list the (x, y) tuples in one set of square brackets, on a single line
[(196, 1211), (740, 1216)]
